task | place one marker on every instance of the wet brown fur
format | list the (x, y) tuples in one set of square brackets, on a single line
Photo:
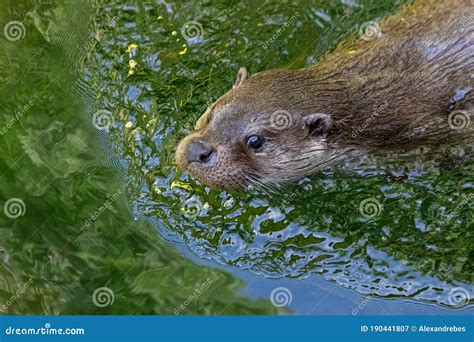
[(404, 80)]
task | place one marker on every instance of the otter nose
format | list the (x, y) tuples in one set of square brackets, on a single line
[(198, 152)]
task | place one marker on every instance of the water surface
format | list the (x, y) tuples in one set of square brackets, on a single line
[(103, 92)]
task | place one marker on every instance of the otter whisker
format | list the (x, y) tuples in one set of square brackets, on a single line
[(316, 165), (253, 182), (258, 185), (276, 186), (266, 187)]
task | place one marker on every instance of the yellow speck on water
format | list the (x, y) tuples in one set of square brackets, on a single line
[(184, 50), (151, 122), (157, 190), (129, 124), (181, 185), (351, 52), (159, 18), (131, 47), (174, 33), (132, 64), (229, 203)]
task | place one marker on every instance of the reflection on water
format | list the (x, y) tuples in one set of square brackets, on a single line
[(388, 225), (68, 244)]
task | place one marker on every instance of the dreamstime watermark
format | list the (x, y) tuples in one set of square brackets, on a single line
[(103, 296), (458, 297), (370, 30), (191, 121), (14, 208), (281, 119), (445, 220), (282, 29), (370, 120), (199, 290), (407, 288), (192, 208), (463, 25), (367, 299), (370, 208), (459, 119), (46, 330), (280, 297), (286, 201), (106, 206), (103, 120), (19, 291), (192, 31), (17, 117), (14, 30)]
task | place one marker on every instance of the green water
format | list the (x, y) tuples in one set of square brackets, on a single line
[(95, 98)]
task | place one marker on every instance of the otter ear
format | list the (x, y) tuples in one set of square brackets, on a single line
[(318, 123), (242, 76)]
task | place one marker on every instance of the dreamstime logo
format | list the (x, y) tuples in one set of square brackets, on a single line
[(366, 300), (370, 208), (192, 208), (19, 291), (192, 30), (369, 30), (458, 297), (106, 206), (102, 297), (14, 30), (102, 120), (281, 119), (280, 31), (459, 119), (375, 114), (199, 290), (281, 297), (18, 115), (286, 201), (462, 27), (14, 207), (447, 218)]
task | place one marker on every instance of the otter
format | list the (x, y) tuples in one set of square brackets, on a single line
[(409, 80)]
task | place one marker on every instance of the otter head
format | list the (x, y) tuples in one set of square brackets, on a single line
[(252, 135)]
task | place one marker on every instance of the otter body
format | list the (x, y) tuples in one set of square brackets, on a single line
[(402, 86)]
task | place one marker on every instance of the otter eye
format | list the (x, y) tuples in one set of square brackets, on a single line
[(254, 142)]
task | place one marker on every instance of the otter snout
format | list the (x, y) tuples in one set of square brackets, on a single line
[(197, 151), (194, 150)]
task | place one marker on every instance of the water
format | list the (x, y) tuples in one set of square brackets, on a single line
[(95, 98)]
